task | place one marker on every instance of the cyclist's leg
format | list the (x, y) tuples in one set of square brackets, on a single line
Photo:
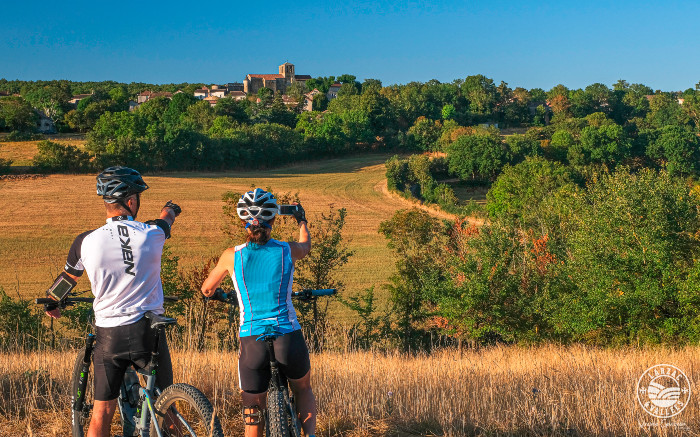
[(110, 360), (293, 356), (305, 402), (254, 378), (253, 405), (101, 422)]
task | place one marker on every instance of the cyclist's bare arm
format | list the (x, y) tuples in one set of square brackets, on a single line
[(218, 273), (303, 247), (56, 313)]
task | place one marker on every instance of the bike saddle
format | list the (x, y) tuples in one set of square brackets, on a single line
[(269, 333), (159, 321)]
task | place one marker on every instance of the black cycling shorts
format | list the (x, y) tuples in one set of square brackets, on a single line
[(254, 363), (121, 346)]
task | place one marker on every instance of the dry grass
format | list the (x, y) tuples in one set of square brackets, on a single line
[(22, 152), (542, 391), (40, 217)]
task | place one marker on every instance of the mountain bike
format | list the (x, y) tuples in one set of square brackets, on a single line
[(281, 419), (145, 410)]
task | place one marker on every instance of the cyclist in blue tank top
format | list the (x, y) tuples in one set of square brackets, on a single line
[(262, 271)]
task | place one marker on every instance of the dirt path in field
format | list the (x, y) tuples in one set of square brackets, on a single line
[(383, 188)]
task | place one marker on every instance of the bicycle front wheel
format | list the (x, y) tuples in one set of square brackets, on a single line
[(182, 410), (80, 420)]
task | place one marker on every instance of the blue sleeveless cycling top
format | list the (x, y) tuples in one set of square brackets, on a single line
[(262, 277)]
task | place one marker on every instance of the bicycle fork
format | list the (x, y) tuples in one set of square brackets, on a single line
[(79, 400)]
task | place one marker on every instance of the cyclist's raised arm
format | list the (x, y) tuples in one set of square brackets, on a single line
[(169, 212), (303, 247), (218, 273)]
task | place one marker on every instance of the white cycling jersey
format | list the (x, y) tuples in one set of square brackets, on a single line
[(122, 260)]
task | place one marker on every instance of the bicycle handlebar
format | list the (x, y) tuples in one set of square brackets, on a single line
[(306, 294), (68, 301)]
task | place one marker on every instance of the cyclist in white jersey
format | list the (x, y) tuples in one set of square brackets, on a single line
[(122, 260), (262, 270)]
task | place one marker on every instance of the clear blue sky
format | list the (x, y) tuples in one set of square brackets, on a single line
[(525, 43)]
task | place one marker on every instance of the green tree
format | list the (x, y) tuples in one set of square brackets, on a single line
[(520, 194), (420, 241), (16, 114), (477, 157), (678, 148)]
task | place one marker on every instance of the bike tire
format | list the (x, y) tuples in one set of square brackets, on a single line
[(277, 418), (80, 420), (194, 410)]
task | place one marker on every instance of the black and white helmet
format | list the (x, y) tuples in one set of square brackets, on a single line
[(117, 183), (257, 207)]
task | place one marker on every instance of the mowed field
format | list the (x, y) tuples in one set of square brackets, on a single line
[(41, 217), (21, 153)]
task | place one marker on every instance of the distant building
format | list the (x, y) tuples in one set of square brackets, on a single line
[(44, 124), (276, 82), (309, 99), (217, 91), (148, 95), (333, 91), (237, 95), (201, 93), (212, 100), (77, 98), (234, 86)]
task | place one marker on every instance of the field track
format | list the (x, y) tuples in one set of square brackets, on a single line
[(40, 217)]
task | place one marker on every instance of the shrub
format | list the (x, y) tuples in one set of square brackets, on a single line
[(59, 158)]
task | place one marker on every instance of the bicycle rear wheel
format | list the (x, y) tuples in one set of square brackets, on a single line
[(281, 417), (182, 410)]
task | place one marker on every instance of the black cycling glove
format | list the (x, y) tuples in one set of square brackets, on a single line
[(299, 214), (176, 208)]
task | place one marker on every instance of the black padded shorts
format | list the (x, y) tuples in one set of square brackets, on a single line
[(254, 363), (119, 347)]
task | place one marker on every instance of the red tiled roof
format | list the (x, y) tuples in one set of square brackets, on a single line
[(146, 93), (267, 76), (236, 93), (201, 90), (336, 85)]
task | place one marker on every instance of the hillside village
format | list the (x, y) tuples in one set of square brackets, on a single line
[(278, 83)]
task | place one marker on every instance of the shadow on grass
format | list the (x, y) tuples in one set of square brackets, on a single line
[(348, 164)]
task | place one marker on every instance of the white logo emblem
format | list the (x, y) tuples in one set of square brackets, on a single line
[(663, 391)]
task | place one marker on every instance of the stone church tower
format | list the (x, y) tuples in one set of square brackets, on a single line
[(287, 71)]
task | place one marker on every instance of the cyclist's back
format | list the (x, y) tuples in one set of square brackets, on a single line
[(262, 276), (122, 260)]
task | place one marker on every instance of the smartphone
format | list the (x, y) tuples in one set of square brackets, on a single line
[(287, 209), (63, 285)]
